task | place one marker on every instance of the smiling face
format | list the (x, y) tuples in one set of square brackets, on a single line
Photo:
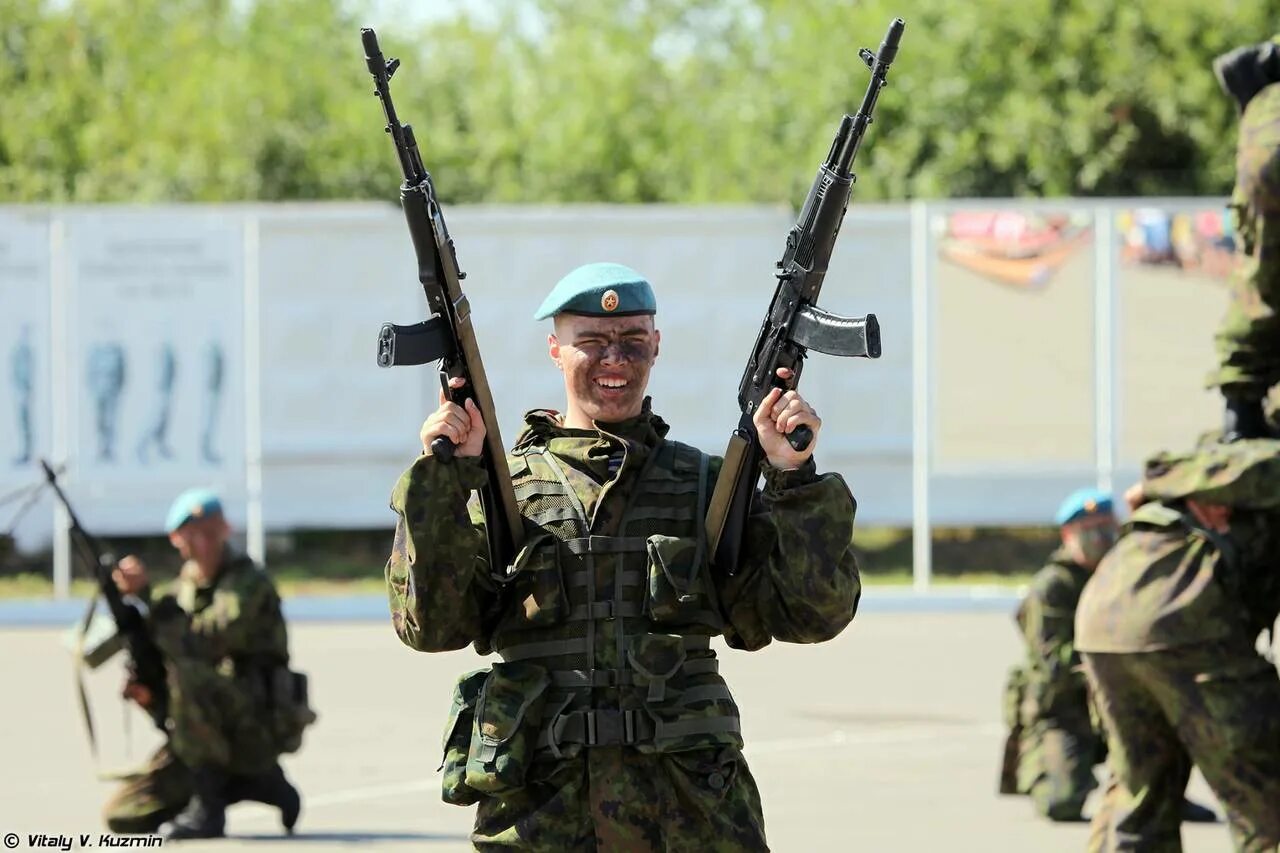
[(606, 363)]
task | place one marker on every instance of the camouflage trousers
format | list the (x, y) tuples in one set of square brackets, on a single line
[(1215, 704), (150, 796), (1055, 766), (618, 799), (218, 720), (1248, 338)]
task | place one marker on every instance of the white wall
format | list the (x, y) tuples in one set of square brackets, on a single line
[(1011, 372)]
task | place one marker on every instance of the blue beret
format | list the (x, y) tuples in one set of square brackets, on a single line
[(1082, 503), (600, 290), (193, 503)]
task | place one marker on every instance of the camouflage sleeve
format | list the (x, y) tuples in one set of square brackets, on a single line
[(798, 581), (1020, 616), (1049, 629), (438, 572), (243, 620)]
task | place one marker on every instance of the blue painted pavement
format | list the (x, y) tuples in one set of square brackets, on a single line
[(373, 608)]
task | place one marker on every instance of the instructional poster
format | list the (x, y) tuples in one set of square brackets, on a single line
[(25, 429), (155, 351)]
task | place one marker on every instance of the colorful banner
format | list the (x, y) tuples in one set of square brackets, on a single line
[(1013, 247), (1192, 240)]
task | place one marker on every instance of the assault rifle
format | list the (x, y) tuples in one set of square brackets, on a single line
[(794, 324), (448, 337), (146, 665)]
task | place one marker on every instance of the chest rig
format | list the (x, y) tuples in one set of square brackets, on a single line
[(622, 620)]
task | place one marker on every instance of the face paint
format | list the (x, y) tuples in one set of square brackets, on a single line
[(606, 365), (1094, 542)]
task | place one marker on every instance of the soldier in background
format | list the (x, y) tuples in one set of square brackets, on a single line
[(1055, 739), (1167, 627), (606, 724), (1248, 340), (1055, 745), (223, 637)]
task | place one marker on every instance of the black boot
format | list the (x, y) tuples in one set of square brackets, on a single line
[(1243, 419), (272, 789), (1193, 812), (206, 811)]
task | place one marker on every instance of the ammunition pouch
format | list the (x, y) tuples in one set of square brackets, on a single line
[(291, 713), (679, 587), (504, 728), (1015, 691), (456, 743)]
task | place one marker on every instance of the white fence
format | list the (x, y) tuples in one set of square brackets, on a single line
[(1029, 348)]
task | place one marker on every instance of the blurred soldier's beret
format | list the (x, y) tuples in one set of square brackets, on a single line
[(1243, 474), (600, 290), (191, 504), (1082, 503)]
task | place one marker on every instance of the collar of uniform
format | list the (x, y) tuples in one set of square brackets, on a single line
[(191, 571), (542, 425), (1060, 557)]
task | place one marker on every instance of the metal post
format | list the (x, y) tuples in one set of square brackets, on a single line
[(921, 377), (255, 533), (1104, 348), (60, 398)]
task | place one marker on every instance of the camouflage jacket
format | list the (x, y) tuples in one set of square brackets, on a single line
[(1055, 684), (233, 622), (1257, 190), (603, 625), (1256, 197), (1158, 588)]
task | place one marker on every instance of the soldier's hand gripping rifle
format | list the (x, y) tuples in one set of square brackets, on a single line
[(146, 664), (448, 336), (794, 324)]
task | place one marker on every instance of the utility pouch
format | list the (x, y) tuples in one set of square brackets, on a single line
[(677, 578), (456, 743), (504, 732), (291, 711)]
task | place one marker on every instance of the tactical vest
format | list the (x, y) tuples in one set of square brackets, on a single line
[(606, 639)]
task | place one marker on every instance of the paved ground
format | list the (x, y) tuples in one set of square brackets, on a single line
[(883, 740)]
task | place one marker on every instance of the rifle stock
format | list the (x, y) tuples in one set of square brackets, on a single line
[(448, 337), (794, 324)]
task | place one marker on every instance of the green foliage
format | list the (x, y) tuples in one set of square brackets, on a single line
[(616, 100)]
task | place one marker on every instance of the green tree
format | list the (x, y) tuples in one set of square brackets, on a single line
[(698, 101)]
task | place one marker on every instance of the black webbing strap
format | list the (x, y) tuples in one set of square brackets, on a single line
[(578, 646), (582, 678)]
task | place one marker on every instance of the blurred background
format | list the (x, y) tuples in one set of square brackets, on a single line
[(199, 239), (200, 236)]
